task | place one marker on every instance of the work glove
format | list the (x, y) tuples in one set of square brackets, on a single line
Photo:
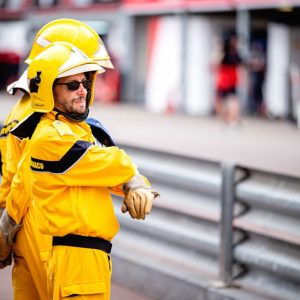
[(8, 231), (139, 198), (6, 262), (1, 211)]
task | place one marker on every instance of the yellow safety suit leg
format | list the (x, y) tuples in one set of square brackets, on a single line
[(29, 273), (22, 281), (82, 273)]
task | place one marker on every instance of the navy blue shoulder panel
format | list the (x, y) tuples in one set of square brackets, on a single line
[(26, 127), (5, 128), (100, 132), (62, 165)]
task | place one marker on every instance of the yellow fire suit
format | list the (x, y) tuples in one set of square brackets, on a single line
[(29, 276), (72, 176), (10, 159)]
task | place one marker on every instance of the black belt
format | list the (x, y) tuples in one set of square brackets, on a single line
[(74, 240)]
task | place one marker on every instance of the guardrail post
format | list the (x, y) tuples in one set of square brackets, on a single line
[(227, 202)]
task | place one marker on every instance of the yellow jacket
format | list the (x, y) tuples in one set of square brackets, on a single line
[(72, 176), (19, 197), (11, 148), (16, 195)]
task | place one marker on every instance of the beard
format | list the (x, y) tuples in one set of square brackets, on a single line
[(76, 111), (77, 106)]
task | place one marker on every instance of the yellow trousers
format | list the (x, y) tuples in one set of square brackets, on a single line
[(23, 283), (78, 273), (29, 274)]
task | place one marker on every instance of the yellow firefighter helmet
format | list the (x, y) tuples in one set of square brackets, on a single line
[(59, 59), (75, 32)]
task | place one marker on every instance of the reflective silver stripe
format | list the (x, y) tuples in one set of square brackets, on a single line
[(42, 42)]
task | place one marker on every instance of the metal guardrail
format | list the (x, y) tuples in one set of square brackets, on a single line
[(217, 232), (270, 252)]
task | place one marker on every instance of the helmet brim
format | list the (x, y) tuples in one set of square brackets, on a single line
[(20, 84), (91, 67), (106, 63)]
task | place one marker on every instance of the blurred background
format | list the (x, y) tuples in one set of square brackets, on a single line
[(165, 51), (205, 96)]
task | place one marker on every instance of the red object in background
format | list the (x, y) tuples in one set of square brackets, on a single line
[(226, 77), (108, 85), (153, 27), (216, 5), (149, 1), (144, 5), (9, 57)]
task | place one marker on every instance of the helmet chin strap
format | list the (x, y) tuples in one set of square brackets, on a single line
[(77, 118)]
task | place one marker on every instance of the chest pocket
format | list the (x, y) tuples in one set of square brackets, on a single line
[(62, 128)]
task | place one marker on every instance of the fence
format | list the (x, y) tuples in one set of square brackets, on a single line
[(217, 232)]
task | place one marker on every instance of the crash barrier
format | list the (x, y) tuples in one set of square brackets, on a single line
[(218, 231)]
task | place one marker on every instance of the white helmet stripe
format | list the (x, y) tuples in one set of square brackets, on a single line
[(76, 57), (42, 42)]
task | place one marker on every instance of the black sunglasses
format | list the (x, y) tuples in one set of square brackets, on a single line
[(74, 85)]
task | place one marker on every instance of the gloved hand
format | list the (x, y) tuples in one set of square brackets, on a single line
[(139, 198), (8, 231), (1, 211), (6, 262)]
